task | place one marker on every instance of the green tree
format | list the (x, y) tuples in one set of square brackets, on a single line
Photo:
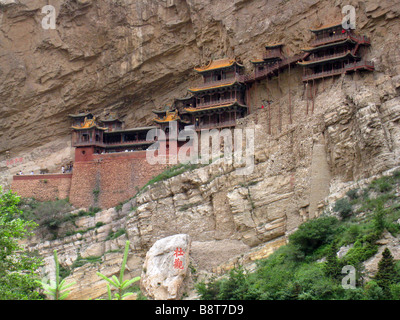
[(314, 233), (57, 289), (18, 268), (332, 266), (343, 207), (386, 275)]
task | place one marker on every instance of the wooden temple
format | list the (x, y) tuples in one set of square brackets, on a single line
[(272, 55), (334, 51), (214, 104), (91, 136), (220, 99)]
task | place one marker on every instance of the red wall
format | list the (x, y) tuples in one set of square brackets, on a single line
[(43, 187), (110, 179)]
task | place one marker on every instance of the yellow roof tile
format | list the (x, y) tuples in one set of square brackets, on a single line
[(217, 64), (327, 26)]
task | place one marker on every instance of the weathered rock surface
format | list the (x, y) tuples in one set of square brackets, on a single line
[(165, 268), (135, 56)]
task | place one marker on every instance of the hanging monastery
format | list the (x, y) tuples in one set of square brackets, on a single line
[(110, 160)]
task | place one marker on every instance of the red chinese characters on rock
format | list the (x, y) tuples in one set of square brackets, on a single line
[(178, 263), (14, 161)]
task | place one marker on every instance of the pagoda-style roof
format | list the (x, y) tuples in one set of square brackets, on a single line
[(328, 59), (188, 97), (133, 130), (89, 124), (218, 64), (273, 45), (258, 61), (327, 27), (223, 106), (111, 117), (328, 45), (169, 117), (163, 111), (215, 85)]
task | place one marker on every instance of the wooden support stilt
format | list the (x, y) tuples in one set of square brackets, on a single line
[(279, 107), (307, 93), (269, 118), (313, 94), (290, 100), (268, 106)]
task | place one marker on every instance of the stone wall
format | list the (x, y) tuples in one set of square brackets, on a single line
[(105, 182), (43, 187), (110, 178)]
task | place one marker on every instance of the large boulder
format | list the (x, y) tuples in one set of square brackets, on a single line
[(165, 268)]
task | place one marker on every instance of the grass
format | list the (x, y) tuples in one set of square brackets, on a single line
[(114, 235)]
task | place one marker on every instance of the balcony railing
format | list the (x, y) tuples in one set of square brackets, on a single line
[(348, 67), (360, 39), (217, 103), (328, 57), (360, 64), (323, 74), (222, 124), (129, 142), (105, 144), (328, 39), (215, 83), (270, 55), (270, 69), (88, 143)]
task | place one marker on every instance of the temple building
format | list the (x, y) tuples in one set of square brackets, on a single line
[(220, 99), (272, 55), (112, 122), (91, 136), (166, 116), (214, 104), (334, 51)]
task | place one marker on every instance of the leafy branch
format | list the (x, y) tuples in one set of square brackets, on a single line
[(56, 289), (119, 284)]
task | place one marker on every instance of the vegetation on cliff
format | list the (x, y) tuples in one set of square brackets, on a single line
[(18, 268), (308, 267)]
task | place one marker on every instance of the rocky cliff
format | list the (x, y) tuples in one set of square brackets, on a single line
[(135, 56)]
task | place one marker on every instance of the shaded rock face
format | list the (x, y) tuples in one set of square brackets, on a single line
[(165, 268), (134, 56)]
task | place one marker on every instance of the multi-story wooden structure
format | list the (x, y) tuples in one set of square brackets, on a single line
[(91, 136), (272, 56), (220, 99), (334, 51), (214, 104)]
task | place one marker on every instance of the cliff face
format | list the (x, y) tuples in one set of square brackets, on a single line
[(135, 56)]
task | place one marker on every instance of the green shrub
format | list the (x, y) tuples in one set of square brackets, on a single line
[(352, 194), (343, 207), (373, 291), (314, 233), (382, 185), (359, 253), (395, 291)]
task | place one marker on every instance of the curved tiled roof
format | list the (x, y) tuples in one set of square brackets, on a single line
[(218, 64)]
